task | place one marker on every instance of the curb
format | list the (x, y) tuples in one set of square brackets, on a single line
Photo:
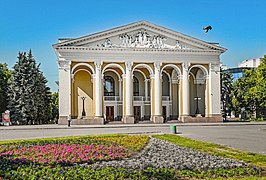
[(127, 126)]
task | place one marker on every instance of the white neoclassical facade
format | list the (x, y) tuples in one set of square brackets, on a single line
[(138, 72)]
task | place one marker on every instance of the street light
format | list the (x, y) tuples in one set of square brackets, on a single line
[(197, 105), (83, 109)]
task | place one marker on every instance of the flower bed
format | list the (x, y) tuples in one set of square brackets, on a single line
[(67, 154), (78, 157)]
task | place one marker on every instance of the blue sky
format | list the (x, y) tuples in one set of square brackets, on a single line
[(238, 25)]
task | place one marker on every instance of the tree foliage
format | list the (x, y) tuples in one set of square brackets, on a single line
[(29, 96), (249, 94), (54, 107), (226, 92), (5, 77)]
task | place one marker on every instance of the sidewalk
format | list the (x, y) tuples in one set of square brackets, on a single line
[(55, 126)]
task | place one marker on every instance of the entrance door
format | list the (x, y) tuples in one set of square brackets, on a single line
[(137, 115), (164, 113), (109, 113)]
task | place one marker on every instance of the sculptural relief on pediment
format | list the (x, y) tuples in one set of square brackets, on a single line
[(141, 39)]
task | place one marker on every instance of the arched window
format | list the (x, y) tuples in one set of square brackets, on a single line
[(135, 86), (109, 86)]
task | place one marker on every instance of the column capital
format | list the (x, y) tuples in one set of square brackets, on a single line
[(157, 65), (129, 65), (175, 81), (98, 65), (206, 77), (64, 64), (185, 65), (215, 67)]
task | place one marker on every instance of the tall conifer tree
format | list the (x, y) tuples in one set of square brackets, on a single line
[(29, 94), (5, 77)]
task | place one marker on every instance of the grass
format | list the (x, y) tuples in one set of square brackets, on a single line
[(211, 148)]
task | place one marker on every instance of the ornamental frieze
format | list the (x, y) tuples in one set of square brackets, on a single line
[(142, 39)]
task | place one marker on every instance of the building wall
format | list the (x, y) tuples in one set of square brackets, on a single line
[(251, 63), (82, 87)]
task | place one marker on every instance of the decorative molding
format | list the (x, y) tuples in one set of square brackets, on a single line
[(129, 65), (215, 67), (64, 64), (175, 81), (157, 65), (185, 65), (142, 40), (98, 65)]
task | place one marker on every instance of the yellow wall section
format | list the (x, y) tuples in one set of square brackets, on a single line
[(82, 87), (124, 96), (181, 112), (152, 97)]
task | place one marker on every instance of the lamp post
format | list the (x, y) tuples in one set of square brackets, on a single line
[(197, 106), (83, 109)]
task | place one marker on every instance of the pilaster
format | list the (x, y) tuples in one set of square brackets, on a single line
[(214, 90), (64, 89)]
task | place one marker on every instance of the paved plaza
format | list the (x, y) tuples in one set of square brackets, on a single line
[(244, 136)]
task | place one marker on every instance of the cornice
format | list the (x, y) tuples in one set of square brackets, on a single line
[(100, 49)]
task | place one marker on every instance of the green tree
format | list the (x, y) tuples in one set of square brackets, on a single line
[(226, 92), (244, 99), (29, 98), (54, 107), (5, 77), (259, 90)]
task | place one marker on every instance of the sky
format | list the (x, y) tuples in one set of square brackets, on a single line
[(238, 25)]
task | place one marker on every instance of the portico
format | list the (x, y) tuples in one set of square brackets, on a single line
[(138, 72)]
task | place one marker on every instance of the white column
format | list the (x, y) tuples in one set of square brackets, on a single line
[(120, 89), (98, 89), (214, 90), (146, 89), (157, 89), (129, 89), (115, 111), (185, 89), (170, 88), (64, 89), (142, 111)]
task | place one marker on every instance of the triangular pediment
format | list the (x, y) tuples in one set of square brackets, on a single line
[(140, 35)]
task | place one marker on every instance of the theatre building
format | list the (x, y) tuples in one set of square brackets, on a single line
[(138, 72)]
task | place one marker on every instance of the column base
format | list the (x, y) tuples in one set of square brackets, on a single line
[(198, 115), (85, 121), (157, 119), (62, 120), (98, 120), (210, 119), (128, 120)]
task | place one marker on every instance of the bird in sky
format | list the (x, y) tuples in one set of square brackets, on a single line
[(207, 28)]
